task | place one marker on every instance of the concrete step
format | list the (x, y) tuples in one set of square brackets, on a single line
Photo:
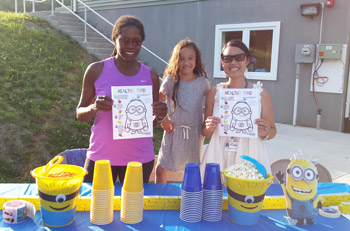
[(103, 44), (96, 49), (92, 39), (61, 9), (102, 56), (69, 28), (80, 33)]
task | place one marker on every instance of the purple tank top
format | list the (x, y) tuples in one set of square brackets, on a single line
[(102, 145)]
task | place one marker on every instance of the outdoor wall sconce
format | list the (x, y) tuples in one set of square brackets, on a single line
[(310, 9)]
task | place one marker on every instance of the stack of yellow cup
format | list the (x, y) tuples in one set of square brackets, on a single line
[(102, 203), (131, 210)]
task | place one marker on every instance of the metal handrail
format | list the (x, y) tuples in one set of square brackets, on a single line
[(73, 3), (88, 7), (24, 4), (84, 20), (108, 22)]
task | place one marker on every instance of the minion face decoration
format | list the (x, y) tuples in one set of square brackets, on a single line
[(301, 181), (59, 202), (58, 210), (245, 198), (245, 203)]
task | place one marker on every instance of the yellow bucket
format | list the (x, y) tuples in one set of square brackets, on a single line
[(58, 196), (245, 198)]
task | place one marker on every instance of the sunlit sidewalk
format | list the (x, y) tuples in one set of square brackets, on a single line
[(330, 148)]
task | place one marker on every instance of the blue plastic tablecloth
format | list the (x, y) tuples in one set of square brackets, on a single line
[(270, 220)]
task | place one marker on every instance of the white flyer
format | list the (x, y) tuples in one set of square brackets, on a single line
[(132, 112), (239, 108)]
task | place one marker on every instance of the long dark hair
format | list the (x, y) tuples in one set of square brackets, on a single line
[(126, 20), (173, 69)]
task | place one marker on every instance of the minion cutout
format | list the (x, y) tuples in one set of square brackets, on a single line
[(136, 117), (241, 118), (300, 191)]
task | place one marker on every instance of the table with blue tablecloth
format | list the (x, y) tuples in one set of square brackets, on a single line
[(169, 219)]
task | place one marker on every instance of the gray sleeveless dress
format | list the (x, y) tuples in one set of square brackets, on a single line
[(184, 144)]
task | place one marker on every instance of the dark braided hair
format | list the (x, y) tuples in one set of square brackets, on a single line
[(126, 20)]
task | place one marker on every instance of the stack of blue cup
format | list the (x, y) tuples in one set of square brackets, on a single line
[(212, 193), (191, 194)]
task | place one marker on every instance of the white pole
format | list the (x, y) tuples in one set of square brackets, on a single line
[(33, 5), (16, 7), (297, 75), (347, 104), (52, 8), (24, 6), (321, 25), (75, 5), (85, 29)]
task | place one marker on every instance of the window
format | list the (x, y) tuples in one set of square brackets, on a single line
[(262, 39)]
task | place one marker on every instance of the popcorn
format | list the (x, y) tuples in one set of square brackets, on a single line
[(244, 170)]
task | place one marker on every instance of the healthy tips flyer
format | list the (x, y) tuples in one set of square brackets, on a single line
[(132, 112), (239, 108)]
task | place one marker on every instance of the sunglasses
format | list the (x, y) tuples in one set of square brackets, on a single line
[(125, 41), (230, 58)]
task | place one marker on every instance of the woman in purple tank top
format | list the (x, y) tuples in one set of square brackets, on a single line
[(122, 69)]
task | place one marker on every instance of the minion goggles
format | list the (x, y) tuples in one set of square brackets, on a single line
[(299, 173), (249, 199), (58, 198)]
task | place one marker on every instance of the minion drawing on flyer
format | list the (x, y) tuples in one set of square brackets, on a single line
[(136, 117), (241, 118), (300, 191), (132, 112), (238, 109)]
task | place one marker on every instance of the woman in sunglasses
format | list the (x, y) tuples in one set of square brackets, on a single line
[(235, 58), (121, 69)]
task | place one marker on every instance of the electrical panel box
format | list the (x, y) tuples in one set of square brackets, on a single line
[(305, 53), (329, 51)]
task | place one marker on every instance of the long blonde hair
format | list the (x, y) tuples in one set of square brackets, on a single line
[(173, 69)]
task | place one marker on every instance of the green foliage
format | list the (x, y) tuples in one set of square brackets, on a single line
[(41, 72)]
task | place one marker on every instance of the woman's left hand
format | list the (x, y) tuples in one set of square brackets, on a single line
[(263, 127), (160, 110)]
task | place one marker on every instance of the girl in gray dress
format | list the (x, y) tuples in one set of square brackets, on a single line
[(185, 84)]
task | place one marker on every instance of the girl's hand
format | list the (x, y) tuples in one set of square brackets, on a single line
[(263, 128), (211, 123), (167, 125), (102, 103)]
